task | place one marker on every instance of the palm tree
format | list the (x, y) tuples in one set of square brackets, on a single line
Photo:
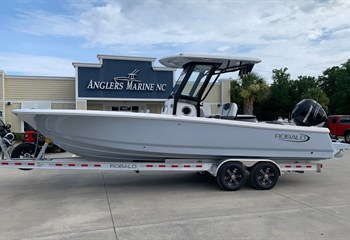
[(318, 95), (253, 88)]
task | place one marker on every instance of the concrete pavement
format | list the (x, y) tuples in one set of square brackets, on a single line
[(59, 204)]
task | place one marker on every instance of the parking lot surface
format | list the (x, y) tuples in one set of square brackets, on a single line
[(61, 204)]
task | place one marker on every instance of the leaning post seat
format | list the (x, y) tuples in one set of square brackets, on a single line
[(227, 111)]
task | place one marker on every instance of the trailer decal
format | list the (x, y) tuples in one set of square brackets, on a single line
[(123, 166)]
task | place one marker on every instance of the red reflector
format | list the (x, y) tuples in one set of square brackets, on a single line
[(321, 165), (31, 164), (308, 166), (71, 165), (149, 165), (174, 166), (97, 165), (298, 166), (18, 164), (161, 165), (84, 165), (5, 163), (187, 166), (58, 164), (199, 166), (288, 166)]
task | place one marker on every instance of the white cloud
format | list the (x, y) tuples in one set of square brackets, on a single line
[(21, 64), (224, 48), (304, 36)]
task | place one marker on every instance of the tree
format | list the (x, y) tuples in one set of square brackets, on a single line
[(280, 100), (253, 88), (318, 95), (335, 82), (235, 92), (300, 86)]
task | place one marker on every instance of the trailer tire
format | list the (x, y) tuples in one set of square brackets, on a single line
[(264, 176), (347, 136), (25, 150), (231, 176)]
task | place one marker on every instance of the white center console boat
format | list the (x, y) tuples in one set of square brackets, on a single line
[(181, 132)]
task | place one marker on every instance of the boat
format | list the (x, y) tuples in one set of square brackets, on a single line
[(181, 131)]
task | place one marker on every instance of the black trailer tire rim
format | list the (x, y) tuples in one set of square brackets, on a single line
[(265, 176), (233, 176)]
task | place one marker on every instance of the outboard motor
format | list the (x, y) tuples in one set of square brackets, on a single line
[(308, 112)]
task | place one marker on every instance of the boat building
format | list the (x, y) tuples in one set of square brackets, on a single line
[(115, 83)]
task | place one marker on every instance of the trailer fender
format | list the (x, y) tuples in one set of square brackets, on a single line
[(247, 163)]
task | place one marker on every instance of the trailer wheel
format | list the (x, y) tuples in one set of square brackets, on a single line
[(347, 137), (25, 150), (264, 176), (231, 176)]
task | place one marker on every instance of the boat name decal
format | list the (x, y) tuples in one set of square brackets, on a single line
[(129, 83), (123, 165), (292, 137)]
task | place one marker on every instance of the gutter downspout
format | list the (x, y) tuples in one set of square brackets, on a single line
[(222, 92), (2, 79)]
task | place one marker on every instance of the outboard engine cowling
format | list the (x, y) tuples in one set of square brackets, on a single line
[(308, 112)]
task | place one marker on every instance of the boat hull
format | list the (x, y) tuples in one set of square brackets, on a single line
[(113, 136)]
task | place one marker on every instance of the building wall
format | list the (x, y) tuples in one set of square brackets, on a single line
[(34, 92), (219, 94), (12, 119), (81, 104), (226, 90), (95, 106), (39, 89), (63, 105)]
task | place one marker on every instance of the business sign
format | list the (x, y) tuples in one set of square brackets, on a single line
[(118, 78)]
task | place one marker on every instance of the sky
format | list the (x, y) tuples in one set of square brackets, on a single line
[(44, 37)]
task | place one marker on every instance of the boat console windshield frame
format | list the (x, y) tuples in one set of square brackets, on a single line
[(192, 82), (198, 78), (200, 73)]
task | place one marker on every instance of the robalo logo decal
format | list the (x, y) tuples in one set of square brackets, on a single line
[(292, 137)]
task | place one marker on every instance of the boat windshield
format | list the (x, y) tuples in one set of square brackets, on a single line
[(191, 80)]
